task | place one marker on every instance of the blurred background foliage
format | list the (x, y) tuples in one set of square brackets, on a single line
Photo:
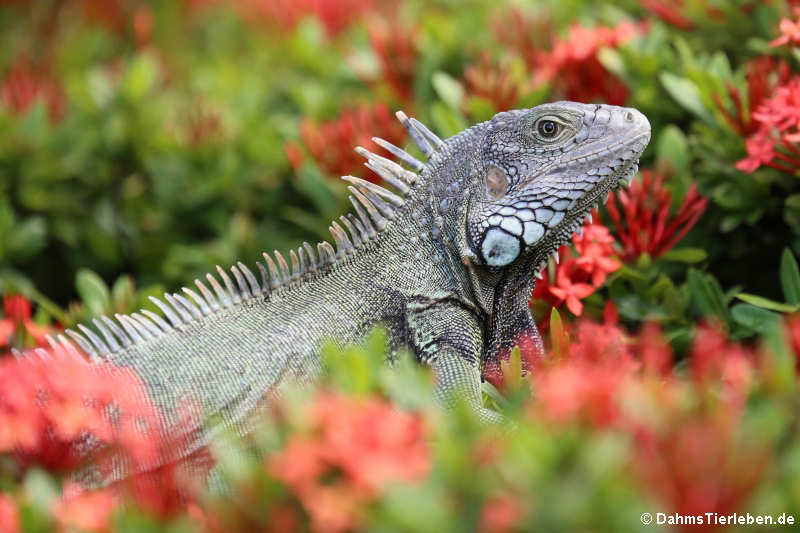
[(158, 139)]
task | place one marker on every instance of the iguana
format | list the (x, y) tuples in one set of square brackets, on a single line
[(445, 261)]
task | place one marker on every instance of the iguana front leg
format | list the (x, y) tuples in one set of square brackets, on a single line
[(449, 336)]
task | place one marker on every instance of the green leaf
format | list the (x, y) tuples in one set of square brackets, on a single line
[(707, 295), (449, 89), (686, 255), (686, 93), (93, 291), (558, 335), (753, 317), (512, 369), (672, 149), (790, 277), (766, 303), (140, 77)]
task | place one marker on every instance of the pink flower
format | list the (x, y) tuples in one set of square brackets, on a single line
[(790, 33)]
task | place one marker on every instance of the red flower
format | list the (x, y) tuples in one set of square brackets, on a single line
[(775, 129), (566, 290), (586, 382), (23, 84), (334, 16), (697, 463), (495, 81), (9, 516), (654, 352), (648, 226), (575, 72), (763, 75), (17, 318), (84, 510), (50, 404), (396, 49), (595, 252), (714, 359), (790, 33), (578, 277), (760, 151), (524, 33), (353, 128), (143, 21), (793, 331), (108, 13), (500, 513), (353, 448), (669, 12)]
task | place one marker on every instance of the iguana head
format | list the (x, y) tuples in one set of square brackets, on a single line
[(540, 172)]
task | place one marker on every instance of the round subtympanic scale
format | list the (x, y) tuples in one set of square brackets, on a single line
[(499, 248)]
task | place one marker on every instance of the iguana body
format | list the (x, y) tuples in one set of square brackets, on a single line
[(446, 264)]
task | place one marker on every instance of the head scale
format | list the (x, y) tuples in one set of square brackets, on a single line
[(541, 170)]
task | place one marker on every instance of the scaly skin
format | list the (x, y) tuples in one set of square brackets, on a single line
[(448, 269)]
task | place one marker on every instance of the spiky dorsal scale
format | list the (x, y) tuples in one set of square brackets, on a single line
[(374, 207)]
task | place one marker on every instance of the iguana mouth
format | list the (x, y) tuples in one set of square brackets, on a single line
[(580, 213)]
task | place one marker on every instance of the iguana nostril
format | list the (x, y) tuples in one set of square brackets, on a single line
[(629, 116)]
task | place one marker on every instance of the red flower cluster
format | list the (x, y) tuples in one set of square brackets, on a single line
[(763, 75), (692, 456), (773, 142), (687, 451), (334, 16), (576, 277), (354, 447), (17, 320), (23, 84), (396, 50), (648, 225), (585, 382), (50, 405), (325, 141), (575, 72)]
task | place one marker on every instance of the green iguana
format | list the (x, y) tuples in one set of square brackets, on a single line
[(445, 262)]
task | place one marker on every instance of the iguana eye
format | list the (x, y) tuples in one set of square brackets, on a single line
[(548, 128)]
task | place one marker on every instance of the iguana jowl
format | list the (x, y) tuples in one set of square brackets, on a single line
[(446, 263)]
